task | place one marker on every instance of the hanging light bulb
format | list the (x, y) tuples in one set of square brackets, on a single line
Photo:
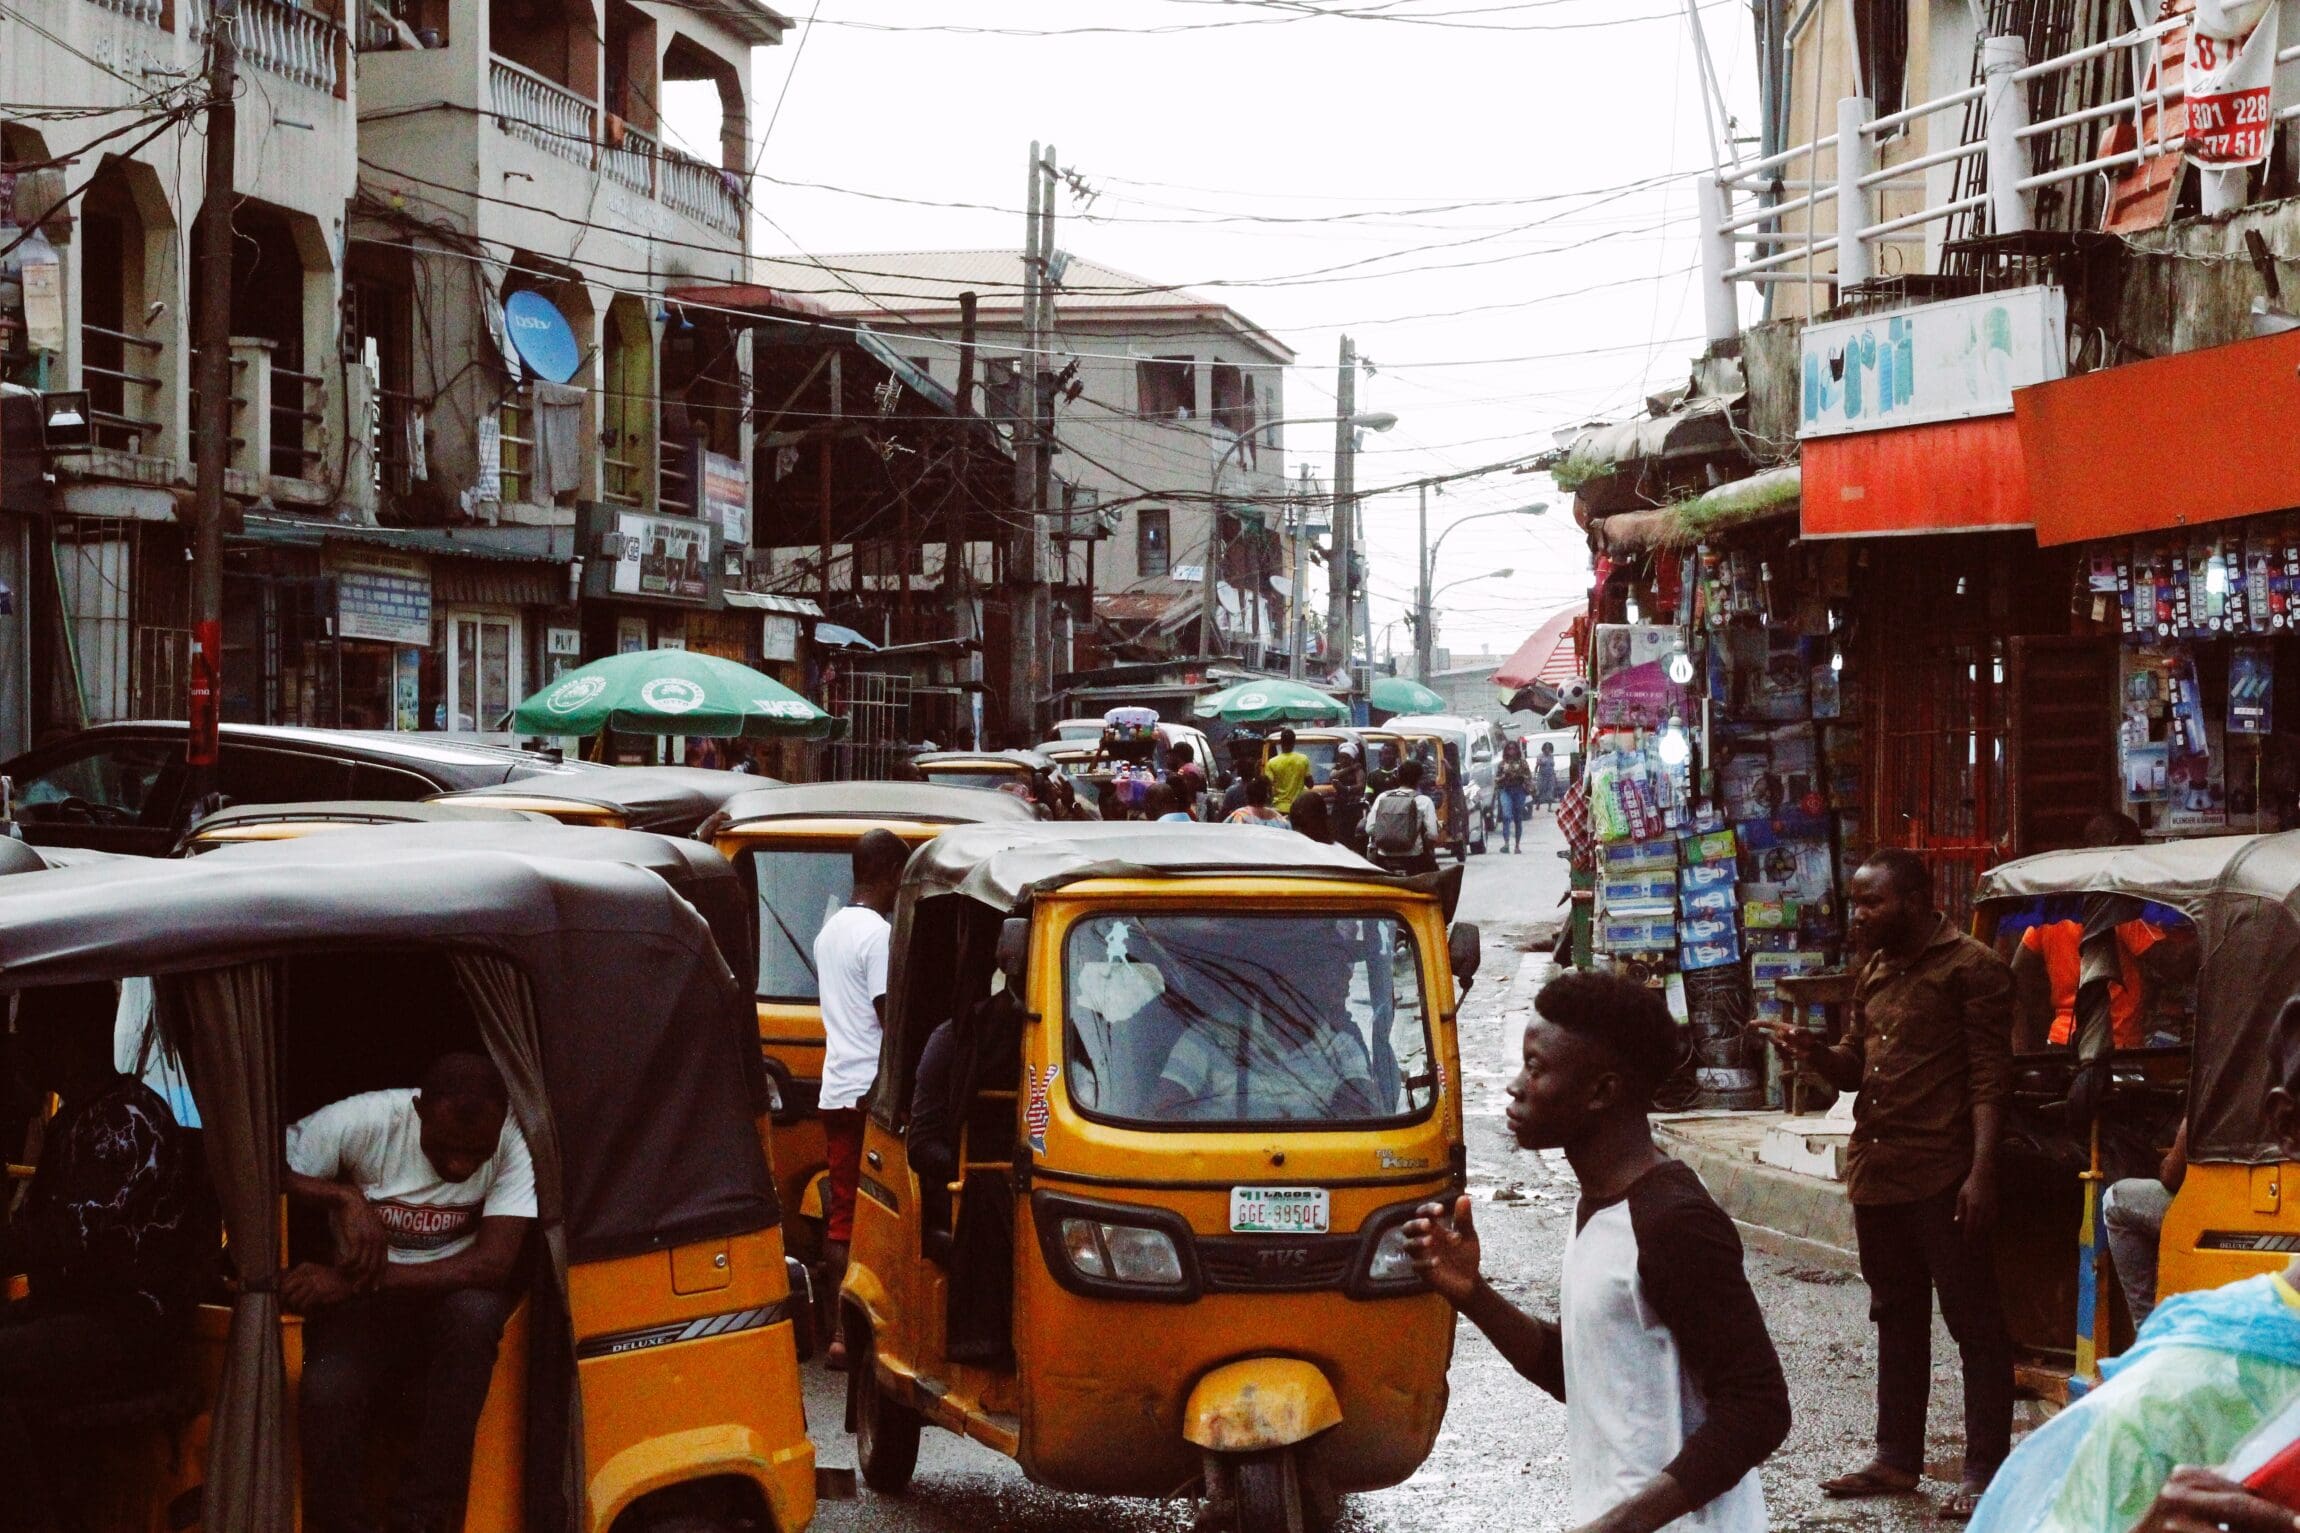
[(1836, 657), (1675, 748), (2216, 577)]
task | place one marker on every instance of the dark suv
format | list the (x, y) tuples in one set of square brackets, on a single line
[(120, 787)]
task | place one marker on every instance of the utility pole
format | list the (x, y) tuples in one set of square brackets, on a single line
[(1340, 623), (1023, 574), (1042, 501), (1422, 656), (1297, 615), (212, 335)]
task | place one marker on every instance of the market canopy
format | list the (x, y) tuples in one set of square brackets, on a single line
[(1548, 657), (672, 692), (1403, 694), (1273, 701)]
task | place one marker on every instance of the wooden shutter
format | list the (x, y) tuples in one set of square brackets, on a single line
[(2062, 745)]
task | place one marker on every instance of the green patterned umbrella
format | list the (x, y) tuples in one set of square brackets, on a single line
[(1403, 694), (672, 692), (1275, 701)]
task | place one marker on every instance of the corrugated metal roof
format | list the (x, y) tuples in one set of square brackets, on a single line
[(925, 284)]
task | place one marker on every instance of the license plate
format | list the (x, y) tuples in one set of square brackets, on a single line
[(1279, 1210)]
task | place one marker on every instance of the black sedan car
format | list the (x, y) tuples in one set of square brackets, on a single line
[(121, 787)]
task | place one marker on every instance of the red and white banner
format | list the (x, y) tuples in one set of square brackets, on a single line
[(2231, 70)]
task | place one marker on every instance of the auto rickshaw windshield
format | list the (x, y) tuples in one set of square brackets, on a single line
[(1184, 1020), (800, 887)]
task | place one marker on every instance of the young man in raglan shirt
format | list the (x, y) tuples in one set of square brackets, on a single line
[(431, 1195), (1673, 1392)]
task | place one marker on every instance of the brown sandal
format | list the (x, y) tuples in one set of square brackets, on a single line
[(1869, 1480), (1959, 1504)]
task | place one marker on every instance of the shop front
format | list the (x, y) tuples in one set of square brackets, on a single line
[(650, 582)]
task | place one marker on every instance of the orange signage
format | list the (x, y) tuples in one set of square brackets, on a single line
[(1951, 476)]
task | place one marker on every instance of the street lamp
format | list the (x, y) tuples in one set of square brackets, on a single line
[(1422, 595), (1364, 420)]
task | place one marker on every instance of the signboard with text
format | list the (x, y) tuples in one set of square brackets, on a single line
[(663, 556), (727, 497), (382, 597), (1955, 360)]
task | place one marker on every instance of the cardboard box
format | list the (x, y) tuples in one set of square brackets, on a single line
[(1709, 929), (1708, 955), (1765, 968), (1640, 887), (1708, 875), (1621, 858), (1710, 846), (1637, 934), (1769, 915), (1708, 902)]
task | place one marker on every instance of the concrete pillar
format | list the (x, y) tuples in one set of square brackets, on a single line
[(1721, 311), (1855, 159), (251, 452), (2006, 104)]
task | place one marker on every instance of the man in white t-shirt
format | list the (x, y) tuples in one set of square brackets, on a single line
[(850, 976), (430, 1195)]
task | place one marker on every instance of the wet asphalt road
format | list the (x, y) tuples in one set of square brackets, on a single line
[(1499, 1462)]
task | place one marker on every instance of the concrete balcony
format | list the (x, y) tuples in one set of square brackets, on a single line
[(278, 37)]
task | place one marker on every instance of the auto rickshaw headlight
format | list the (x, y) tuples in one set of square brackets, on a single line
[(1391, 1261), (1123, 1253)]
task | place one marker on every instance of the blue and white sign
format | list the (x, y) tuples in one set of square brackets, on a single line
[(1954, 360), (541, 336)]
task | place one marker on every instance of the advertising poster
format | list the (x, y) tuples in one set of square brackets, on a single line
[(2251, 689), (2231, 70), (667, 556), (1644, 676)]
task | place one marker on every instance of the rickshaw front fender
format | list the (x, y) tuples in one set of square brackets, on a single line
[(1259, 1404), (784, 1477)]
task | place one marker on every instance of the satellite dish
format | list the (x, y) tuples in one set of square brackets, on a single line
[(541, 336)]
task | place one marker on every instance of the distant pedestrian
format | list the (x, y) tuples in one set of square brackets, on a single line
[(850, 965), (1929, 1049), (1245, 762), (1163, 803), (1288, 771), (1513, 787), (1547, 789), (1256, 809), (1186, 776), (1309, 816), (1673, 1392)]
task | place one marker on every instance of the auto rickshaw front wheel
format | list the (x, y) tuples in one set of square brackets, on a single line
[(886, 1431), (1275, 1492)]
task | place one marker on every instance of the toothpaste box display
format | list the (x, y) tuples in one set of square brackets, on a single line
[(1622, 858), (1708, 955), (1707, 902), (1709, 875), (1710, 929), (1640, 888), (1637, 934)]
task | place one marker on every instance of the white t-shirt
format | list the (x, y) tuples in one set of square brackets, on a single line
[(375, 1142), (850, 974)]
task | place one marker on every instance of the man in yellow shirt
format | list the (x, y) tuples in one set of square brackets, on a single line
[(1288, 772)]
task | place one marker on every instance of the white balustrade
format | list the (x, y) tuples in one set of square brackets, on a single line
[(541, 112), (698, 190), (149, 12), (632, 162), (280, 38)]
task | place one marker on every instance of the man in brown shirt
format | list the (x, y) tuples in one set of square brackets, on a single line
[(1929, 1048)]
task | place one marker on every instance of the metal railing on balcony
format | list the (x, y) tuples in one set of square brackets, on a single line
[(1759, 222), (542, 112), (700, 191), (632, 162), (121, 374), (298, 424), (284, 39)]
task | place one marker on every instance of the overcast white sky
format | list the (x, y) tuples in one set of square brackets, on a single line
[(1536, 113)]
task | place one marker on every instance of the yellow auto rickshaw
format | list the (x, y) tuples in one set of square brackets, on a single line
[(245, 823), (668, 800), (793, 846), (2169, 964), (1203, 1079), (1027, 775), (648, 1379)]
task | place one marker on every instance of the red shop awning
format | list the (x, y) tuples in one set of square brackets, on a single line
[(2198, 437), (1951, 476), (1549, 656)]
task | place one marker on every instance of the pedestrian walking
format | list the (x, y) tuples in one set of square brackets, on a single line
[(1256, 809), (1929, 1049), (1513, 787), (850, 975), (1288, 771), (1546, 787), (1673, 1392), (1402, 825), (1310, 817)]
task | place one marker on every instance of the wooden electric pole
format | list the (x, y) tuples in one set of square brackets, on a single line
[(1340, 620), (1022, 544), (212, 335)]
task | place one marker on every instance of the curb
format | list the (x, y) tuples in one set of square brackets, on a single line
[(1805, 1209)]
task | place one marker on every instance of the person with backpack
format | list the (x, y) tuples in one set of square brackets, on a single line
[(1401, 825)]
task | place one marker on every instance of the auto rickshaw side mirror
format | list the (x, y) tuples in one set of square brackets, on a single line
[(1014, 951), (1464, 949)]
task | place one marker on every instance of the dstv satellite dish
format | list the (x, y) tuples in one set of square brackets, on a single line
[(541, 336)]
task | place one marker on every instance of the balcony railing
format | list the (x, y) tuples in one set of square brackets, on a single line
[(632, 162), (281, 38), (149, 12), (121, 373), (542, 112), (2005, 173), (698, 190)]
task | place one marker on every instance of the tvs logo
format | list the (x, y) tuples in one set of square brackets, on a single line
[(575, 693), (672, 694), (1282, 1259)]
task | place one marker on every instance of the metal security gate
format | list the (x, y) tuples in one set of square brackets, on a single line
[(876, 707)]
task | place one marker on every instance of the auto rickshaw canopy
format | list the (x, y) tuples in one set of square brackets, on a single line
[(983, 761), (2243, 895), (672, 800), (929, 802), (345, 812)]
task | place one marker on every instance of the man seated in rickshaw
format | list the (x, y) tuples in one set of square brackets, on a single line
[(1282, 1051), (2141, 1451), (106, 1241), (429, 1195)]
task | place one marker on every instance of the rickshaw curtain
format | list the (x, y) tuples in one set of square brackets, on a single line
[(226, 1023), (505, 1010)]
